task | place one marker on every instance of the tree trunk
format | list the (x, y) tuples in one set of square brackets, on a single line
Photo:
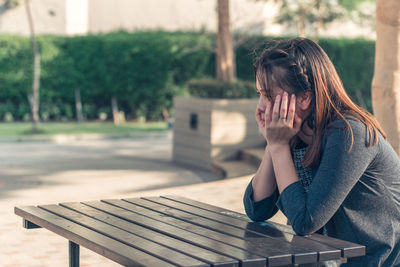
[(114, 106), (318, 29), (225, 55), (301, 26), (386, 81), (165, 114), (78, 105), (34, 97)]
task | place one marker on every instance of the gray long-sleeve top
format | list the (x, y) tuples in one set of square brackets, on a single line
[(354, 195)]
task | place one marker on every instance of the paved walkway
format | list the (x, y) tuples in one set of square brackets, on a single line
[(44, 173)]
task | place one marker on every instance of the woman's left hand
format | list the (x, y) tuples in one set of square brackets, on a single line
[(281, 121)]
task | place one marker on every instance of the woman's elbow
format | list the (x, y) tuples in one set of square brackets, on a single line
[(257, 215), (303, 227), (301, 230)]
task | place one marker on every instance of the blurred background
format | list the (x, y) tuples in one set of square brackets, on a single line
[(128, 98), (125, 60)]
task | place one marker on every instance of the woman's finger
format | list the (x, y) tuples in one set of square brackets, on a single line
[(284, 107), (276, 108), (268, 111), (292, 110), (259, 117)]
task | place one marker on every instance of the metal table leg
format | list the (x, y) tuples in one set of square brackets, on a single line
[(73, 254)]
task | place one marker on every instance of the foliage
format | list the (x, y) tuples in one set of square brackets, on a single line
[(354, 4), (354, 62), (7, 5), (144, 70), (309, 13), (313, 15), (361, 12), (211, 88)]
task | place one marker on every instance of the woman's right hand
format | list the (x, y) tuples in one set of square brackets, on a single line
[(260, 119), (260, 122)]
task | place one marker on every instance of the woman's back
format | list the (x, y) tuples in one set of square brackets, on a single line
[(353, 195), (347, 180), (370, 213)]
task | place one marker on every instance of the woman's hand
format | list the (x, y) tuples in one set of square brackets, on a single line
[(260, 118), (280, 122)]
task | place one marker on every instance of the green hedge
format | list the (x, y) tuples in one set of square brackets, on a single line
[(212, 88), (144, 70)]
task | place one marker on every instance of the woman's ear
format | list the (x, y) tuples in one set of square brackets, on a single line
[(304, 100)]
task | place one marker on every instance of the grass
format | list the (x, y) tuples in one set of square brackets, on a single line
[(51, 128)]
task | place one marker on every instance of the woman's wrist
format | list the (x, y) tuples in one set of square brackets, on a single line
[(276, 148), (285, 171)]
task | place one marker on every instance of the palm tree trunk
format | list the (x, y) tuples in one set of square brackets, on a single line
[(386, 81), (301, 26), (225, 54), (34, 97)]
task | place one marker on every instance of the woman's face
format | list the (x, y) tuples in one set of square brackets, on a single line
[(304, 134), (263, 97), (302, 111)]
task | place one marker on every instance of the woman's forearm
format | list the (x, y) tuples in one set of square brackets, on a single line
[(264, 183), (283, 166)]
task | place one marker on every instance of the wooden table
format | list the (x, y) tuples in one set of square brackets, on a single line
[(177, 231)]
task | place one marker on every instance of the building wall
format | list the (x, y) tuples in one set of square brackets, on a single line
[(69, 17), (77, 13), (150, 14), (172, 15), (48, 17)]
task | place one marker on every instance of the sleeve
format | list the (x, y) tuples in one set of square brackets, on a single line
[(261, 210), (338, 172)]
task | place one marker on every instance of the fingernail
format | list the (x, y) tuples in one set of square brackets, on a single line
[(293, 95)]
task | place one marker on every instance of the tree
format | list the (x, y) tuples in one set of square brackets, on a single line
[(362, 12), (34, 97), (7, 5), (386, 80), (225, 54), (316, 14), (308, 13)]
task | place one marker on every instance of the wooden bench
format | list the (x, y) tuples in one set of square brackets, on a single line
[(177, 231)]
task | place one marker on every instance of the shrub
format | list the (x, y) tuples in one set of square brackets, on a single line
[(211, 88), (145, 70)]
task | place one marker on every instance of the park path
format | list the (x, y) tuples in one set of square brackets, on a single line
[(44, 173)]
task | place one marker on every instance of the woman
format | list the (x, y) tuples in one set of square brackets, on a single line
[(327, 164)]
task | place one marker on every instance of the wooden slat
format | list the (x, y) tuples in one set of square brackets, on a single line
[(157, 250), (87, 238), (160, 231), (300, 255), (275, 257), (271, 252), (325, 252), (348, 249), (190, 233), (183, 247)]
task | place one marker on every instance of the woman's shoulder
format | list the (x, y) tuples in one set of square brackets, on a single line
[(348, 125), (351, 132)]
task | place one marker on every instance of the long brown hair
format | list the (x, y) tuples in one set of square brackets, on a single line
[(300, 65)]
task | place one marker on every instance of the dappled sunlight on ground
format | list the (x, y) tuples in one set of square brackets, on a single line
[(48, 173)]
